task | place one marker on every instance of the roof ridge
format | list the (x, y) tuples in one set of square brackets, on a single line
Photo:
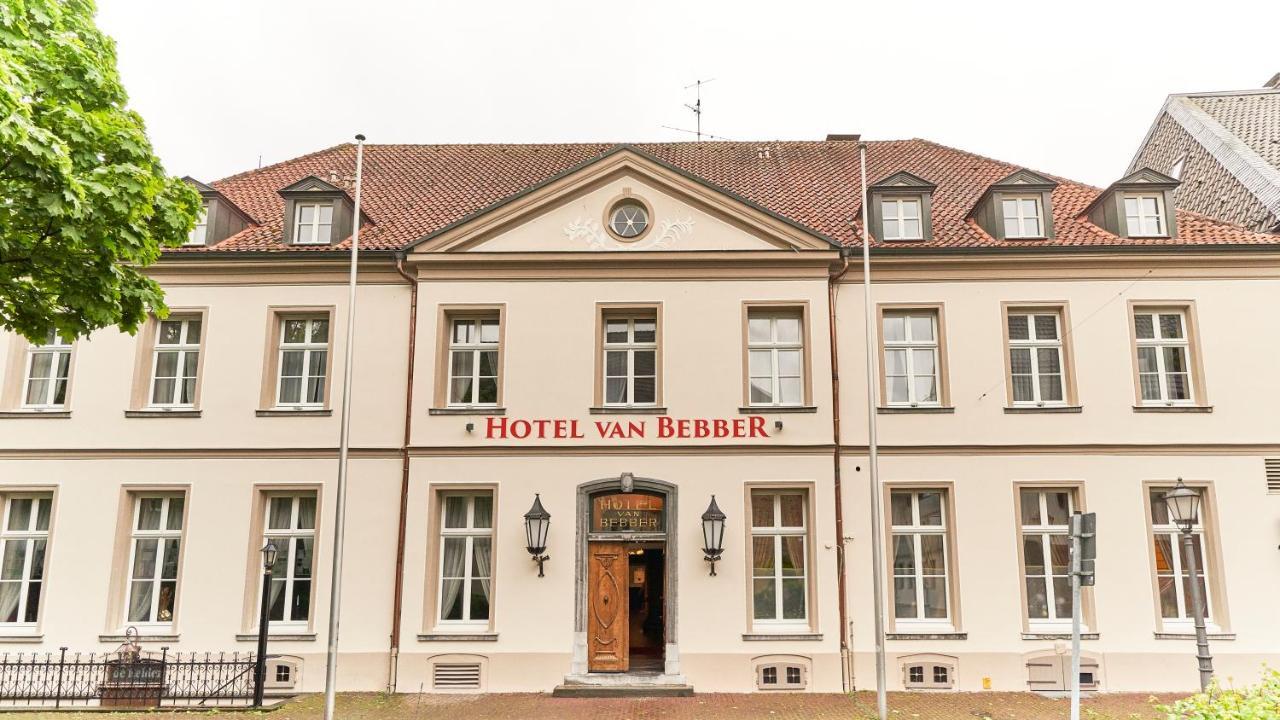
[(290, 161), (1059, 178)]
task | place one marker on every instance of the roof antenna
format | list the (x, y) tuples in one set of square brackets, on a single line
[(696, 107)]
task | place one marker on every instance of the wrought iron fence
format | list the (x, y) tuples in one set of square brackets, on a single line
[(139, 679)]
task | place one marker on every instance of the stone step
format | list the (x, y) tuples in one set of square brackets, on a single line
[(621, 691)]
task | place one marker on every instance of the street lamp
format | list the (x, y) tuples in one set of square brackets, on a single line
[(536, 524), (1184, 509), (712, 534), (269, 553)]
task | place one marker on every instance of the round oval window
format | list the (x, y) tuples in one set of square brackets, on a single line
[(629, 219)]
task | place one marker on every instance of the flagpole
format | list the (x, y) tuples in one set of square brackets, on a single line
[(344, 443), (873, 453)]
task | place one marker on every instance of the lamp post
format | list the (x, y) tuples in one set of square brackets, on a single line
[(260, 669), (713, 534), (1184, 509), (536, 524)]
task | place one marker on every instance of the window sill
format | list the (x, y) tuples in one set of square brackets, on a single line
[(277, 637), (18, 637), (470, 410), (1173, 408), (1058, 636), (627, 410), (927, 636), (45, 414), (1192, 635), (142, 637), (159, 413), (919, 409), (1043, 409), (458, 637), (772, 409), (782, 636), (300, 412)]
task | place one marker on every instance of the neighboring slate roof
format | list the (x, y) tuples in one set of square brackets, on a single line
[(410, 191), (1253, 117), (1236, 131)]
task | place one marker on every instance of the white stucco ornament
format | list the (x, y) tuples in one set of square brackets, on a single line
[(666, 236)]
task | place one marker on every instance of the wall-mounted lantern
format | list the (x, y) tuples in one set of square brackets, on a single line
[(536, 524), (713, 534)]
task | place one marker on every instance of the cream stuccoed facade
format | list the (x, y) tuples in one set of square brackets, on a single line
[(625, 375)]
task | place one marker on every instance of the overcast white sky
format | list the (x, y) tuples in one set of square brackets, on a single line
[(1064, 87)]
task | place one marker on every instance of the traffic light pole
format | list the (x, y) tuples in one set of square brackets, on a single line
[(1075, 620)]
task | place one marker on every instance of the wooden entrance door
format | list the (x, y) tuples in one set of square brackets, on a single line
[(607, 611)]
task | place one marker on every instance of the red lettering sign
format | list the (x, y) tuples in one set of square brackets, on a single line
[(668, 428)]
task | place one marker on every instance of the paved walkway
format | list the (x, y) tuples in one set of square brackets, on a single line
[(792, 706)]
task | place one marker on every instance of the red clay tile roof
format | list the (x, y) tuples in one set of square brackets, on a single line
[(413, 190)]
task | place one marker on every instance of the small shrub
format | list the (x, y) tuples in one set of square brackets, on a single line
[(1256, 702)]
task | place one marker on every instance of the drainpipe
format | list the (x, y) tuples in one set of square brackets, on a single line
[(846, 667), (398, 594)]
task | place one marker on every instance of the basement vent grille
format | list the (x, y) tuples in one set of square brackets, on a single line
[(1273, 475), (456, 676)]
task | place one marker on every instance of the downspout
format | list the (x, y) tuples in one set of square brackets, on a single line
[(846, 667), (397, 595)]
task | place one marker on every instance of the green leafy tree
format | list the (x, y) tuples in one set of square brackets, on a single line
[(84, 201)]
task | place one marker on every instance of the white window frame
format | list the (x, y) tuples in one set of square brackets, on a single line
[(183, 348), (290, 538), (163, 536), (1159, 343), (309, 233), (1021, 217), (307, 347), (898, 220), (1184, 620), (1140, 230), (469, 533), (200, 233), (920, 623), (1045, 531), (476, 349), (630, 346), (909, 346), (1035, 345), (59, 348), (773, 346), (27, 536), (777, 532)]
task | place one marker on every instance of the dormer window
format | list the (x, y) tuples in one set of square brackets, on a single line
[(313, 223), (901, 208), (1018, 207), (1144, 214), (1139, 205), (316, 213), (218, 220), (201, 230), (900, 219), (1023, 216)]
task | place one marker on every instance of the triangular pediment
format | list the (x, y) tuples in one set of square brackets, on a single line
[(199, 186), (1146, 177), (312, 184), (571, 213), (903, 180), (1025, 179)]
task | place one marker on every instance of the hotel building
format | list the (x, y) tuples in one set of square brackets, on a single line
[(625, 332)]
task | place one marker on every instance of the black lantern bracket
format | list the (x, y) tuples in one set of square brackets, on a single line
[(536, 524), (713, 534)]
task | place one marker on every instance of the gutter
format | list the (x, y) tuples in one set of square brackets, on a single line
[(393, 662), (833, 288)]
